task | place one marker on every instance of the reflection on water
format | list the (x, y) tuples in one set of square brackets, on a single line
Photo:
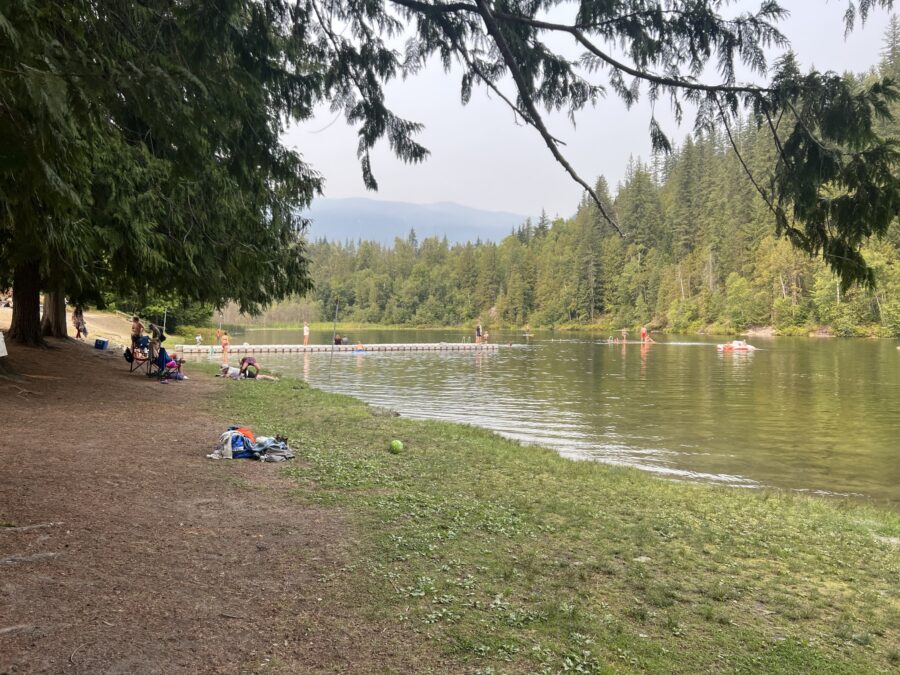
[(813, 415)]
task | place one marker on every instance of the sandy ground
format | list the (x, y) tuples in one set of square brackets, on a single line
[(124, 550), (114, 327)]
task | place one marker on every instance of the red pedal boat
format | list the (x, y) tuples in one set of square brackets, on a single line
[(735, 346)]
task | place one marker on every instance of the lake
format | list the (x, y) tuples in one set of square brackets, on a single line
[(814, 415)]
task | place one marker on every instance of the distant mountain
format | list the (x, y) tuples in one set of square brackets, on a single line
[(374, 220)]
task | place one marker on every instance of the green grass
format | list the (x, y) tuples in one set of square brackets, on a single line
[(500, 557)]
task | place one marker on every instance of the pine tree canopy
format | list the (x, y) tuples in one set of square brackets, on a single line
[(834, 182), (141, 140)]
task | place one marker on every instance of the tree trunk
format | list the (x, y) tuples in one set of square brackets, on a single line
[(53, 323), (26, 319)]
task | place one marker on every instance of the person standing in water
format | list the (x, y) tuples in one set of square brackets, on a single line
[(478, 333), (305, 333), (644, 335)]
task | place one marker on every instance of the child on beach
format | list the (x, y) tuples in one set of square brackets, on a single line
[(78, 323), (137, 330)]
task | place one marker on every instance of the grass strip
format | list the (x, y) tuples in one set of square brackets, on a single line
[(509, 558)]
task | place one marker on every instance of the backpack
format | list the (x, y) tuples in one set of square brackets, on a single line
[(128, 355)]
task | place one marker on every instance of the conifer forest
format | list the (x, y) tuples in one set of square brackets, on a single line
[(701, 252)]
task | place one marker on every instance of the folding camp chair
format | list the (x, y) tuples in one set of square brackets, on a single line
[(163, 366), (141, 354)]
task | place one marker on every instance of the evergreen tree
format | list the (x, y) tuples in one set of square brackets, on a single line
[(141, 141), (890, 52)]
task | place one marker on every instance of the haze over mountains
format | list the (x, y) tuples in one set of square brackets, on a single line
[(374, 220)]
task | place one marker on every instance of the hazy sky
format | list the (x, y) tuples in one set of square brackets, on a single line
[(481, 158)]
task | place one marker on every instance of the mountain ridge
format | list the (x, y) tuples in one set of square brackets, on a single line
[(360, 218)]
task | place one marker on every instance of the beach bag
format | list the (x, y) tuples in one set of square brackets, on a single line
[(277, 452)]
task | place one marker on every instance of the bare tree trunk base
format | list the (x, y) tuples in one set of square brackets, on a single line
[(26, 319), (53, 323)]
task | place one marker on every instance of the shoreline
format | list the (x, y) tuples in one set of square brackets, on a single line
[(463, 552), (709, 331), (103, 322), (510, 556)]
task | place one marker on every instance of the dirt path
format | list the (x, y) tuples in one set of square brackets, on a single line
[(114, 327), (132, 553)]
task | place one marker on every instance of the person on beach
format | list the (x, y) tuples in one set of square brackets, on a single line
[(236, 374), (78, 323), (156, 333), (305, 333), (225, 341), (137, 330), (218, 334), (230, 371), (247, 363)]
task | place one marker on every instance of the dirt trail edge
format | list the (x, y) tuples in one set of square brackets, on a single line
[(124, 550)]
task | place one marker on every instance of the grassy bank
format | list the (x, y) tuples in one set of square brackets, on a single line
[(505, 558)]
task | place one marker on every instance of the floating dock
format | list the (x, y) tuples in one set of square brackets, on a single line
[(357, 348)]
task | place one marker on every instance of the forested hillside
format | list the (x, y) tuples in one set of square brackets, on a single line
[(701, 253)]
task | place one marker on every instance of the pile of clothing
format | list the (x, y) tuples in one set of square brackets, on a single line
[(241, 443)]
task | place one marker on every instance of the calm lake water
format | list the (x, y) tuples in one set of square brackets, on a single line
[(816, 415)]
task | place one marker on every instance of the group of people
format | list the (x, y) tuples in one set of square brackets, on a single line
[(151, 348), (249, 369), (645, 336), (157, 335)]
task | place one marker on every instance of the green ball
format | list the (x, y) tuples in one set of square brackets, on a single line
[(396, 446)]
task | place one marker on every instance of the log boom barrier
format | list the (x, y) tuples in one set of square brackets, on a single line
[(357, 348)]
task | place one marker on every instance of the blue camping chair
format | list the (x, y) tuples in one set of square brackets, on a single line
[(141, 354)]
